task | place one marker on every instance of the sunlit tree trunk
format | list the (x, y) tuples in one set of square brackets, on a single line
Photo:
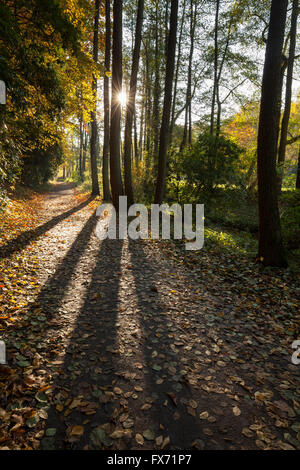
[(81, 150), (187, 131), (288, 93), (179, 58), (136, 145), (165, 126), (130, 110), (85, 145), (216, 56), (156, 97)]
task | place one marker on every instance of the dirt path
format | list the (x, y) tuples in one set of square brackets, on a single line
[(127, 347)]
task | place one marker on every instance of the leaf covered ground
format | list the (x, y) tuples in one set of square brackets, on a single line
[(140, 345)]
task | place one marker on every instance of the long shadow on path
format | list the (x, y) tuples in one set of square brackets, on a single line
[(179, 363), (87, 372), (21, 241)]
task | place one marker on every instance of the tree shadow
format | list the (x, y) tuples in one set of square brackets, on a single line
[(180, 367), (21, 241), (52, 293), (166, 367), (87, 370)]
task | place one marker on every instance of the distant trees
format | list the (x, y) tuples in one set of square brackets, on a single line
[(271, 250)]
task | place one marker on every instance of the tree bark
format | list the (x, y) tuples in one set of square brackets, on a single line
[(115, 126), (271, 251), (131, 103), (173, 120), (81, 150), (94, 169), (136, 145), (157, 91), (188, 116), (298, 171), (165, 126), (105, 166), (85, 145), (216, 57), (288, 92)]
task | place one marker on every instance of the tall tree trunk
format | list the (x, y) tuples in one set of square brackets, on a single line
[(84, 151), (288, 92), (136, 145), (188, 116), (216, 57), (94, 169), (219, 112), (166, 20), (131, 102), (148, 103), (141, 127), (165, 126), (81, 150), (115, 126), (298, 171), (177, 73), (271, 250), (219, 75), (105, 167), (156, 97)]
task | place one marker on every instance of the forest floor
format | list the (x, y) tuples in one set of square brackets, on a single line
[(140, 345)]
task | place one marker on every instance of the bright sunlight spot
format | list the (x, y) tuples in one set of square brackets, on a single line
[(123, 98)]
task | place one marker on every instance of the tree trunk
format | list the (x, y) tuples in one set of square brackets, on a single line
[(148, 103), (84, 151), (94, 169), (81, 151), (188, 116), (271, 250), (156, 97), (131, 103), (177, 73), (141, 127), (298, 172), (136, 145), (115, 126), (216, 57), (105, 166), (288, 92), (165, 126)]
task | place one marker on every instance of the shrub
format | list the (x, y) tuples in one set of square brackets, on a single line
[(209, 162)]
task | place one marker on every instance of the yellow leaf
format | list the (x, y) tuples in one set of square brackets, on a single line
[(77, 431)]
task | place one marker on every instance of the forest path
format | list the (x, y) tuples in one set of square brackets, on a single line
[(125, 348)]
